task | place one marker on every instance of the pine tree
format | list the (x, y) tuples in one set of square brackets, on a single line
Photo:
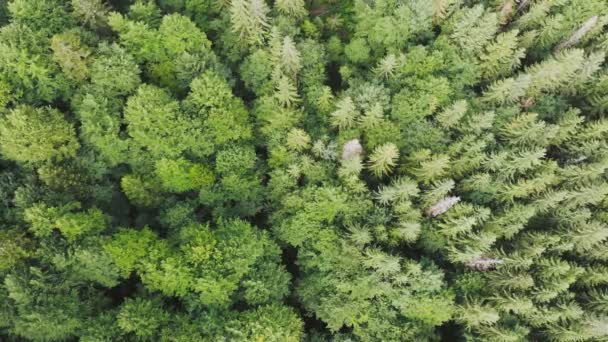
[(451, 116), (345, 114), (502, 56), (293, 8), (472, 23), (249, 19), (419, 169), (298, 140), (427, 168), (474, 314), (387, 66), (383, 159), (286, 93)]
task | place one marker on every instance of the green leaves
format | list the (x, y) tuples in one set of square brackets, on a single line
[(502, 56), (128, 247), (475, 314), (154, 117), (214, 265), (286, 93), (35, 135), (12, 249), (249, 19), (427, 168), (471, 29), (220, 117), (114, 72), (293, 8), (70, 55), (383, 159), (298, 140), (92, 13), (44, 307), (272, 323), (140, 191), (181, 175), (345, 114), (179, 35), (71, 224), (142, 317), (410, 171)]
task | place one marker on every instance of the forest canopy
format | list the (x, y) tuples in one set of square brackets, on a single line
[(304, 170)]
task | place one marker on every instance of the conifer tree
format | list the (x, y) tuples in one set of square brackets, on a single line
[(383, 159), (249, 19), (244, 170)]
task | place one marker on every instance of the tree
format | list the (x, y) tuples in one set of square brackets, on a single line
[(140, 191), (153, 117), (35, 135), (181, 175), (101, 128), (345, 114), (357, 51), (244, 170), (128, 247), (294, 8), (142, 317), (298, 140), (502, 56), (28, 75), (383, 159), (71, 224), (114, 72), (45, 308), (14, 249), (91, 12), (45, 16), (272, 322), (249, 19), (220, 117), (70, 55)]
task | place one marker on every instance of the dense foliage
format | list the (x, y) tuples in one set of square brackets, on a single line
[(290, 170)]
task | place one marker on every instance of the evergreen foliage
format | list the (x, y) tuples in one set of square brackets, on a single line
[(290, 170)]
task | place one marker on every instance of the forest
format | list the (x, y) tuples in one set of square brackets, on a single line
[(303, 170)]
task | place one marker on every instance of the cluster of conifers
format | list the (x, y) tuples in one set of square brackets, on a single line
[(290, 170)]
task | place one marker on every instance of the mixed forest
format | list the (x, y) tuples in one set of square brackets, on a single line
[(304, 170)]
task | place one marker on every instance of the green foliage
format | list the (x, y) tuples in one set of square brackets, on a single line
[(140, 191), (293, 170), (92, 13), (222, 118), (101, 129), (35, 135), (357, 51), (272, 323), (44, 220), (249, 19), (181, 175), (13, 249), (383, 159), (44, 308), (142, 317), (154, 117), (128, 247), (46, 16), (70, 55), (114, 72)]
